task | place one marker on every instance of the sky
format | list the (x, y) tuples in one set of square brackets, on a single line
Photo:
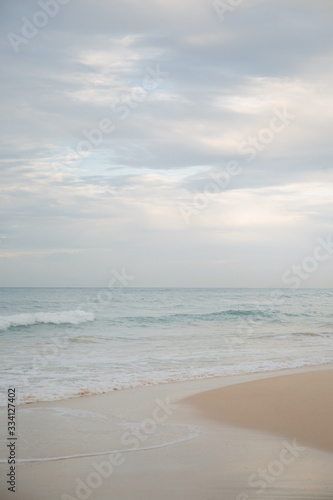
[(171, 144)]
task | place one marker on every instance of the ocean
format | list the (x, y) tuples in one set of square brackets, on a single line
[(59, 343)]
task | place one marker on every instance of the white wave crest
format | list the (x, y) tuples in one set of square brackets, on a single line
[(56, 318)]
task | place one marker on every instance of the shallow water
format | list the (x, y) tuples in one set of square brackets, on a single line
[(62, 343)]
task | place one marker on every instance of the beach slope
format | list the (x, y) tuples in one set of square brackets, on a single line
[(298, 406)]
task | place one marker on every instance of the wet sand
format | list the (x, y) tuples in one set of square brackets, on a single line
[(176, 441)]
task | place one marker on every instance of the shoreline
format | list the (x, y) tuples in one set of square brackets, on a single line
[(157, 446), (199, 381)]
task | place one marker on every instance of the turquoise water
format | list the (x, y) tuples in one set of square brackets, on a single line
[(62, 343)]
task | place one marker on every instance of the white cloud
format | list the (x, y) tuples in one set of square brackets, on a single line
[(225, 81)]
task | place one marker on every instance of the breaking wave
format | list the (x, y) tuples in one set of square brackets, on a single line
[(56, 318)]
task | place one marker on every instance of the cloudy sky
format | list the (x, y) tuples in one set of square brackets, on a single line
[(188, 142)]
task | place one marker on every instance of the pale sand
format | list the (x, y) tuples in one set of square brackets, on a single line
[(298, 406), (187, 456)]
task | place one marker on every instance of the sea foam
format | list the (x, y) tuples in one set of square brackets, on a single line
[(56, 318)]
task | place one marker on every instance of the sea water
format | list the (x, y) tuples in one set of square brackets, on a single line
[(58, 343)]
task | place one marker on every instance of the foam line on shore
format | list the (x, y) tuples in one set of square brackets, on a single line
[(195, 431)]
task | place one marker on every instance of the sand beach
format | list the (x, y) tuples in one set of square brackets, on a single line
[(243, 437)]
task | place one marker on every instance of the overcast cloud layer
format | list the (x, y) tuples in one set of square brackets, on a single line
[(212, 165)]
